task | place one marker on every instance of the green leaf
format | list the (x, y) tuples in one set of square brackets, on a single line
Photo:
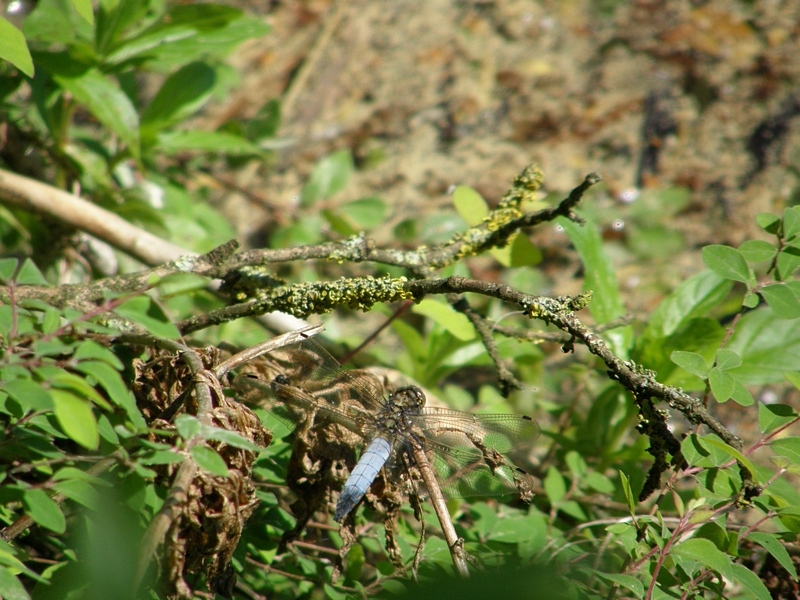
[(91, 349), (8, 266), (79, 491), (30, 394), (143, 311), (445, 315), (366, 213), (329, 177), (512, 530), (577, 466), (519, 253), (44, 510), (713, 440), (782, 301), (692, 362), (114, 18), (172, 142), (65, 473), (112, 383), (334, 594), (728, 359), (554, 485), (707, 554), (14, 49), (79, 385), (788, 447), (757, 251), (773, 545), (231, 438), (209, 460), (10, 586), (188, 426), (751, 582), (693, 298), (791, 223), (51, 321), (264, 125), (722, 384), (607, 302), (76, 418), (178, 284), (340, 224), (163, 457), (599, 483), (182, 94), (768, 222), (793, 378), (626, 581), (768, 345), (774, 416), (29, 274), (470, 205), (751, 300), (189, 32), (726, 262), (788, 261), (741, 395), (84, 8), (109, 104)]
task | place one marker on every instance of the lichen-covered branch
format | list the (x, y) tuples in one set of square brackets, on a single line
[(495, 231), (304, 299)]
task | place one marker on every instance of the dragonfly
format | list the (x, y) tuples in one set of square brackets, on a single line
[(466, 451)]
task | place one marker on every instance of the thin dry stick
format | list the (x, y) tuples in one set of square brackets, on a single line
[(440, 508), (41, 198), (263, 348), (317, 52), (177, 496), (76, 212)]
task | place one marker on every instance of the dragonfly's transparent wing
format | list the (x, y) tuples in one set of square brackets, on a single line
[(467, 451), (290, 404), (308, 366), (313, 389)]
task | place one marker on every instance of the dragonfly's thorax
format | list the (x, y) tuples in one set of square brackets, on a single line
[(396, 416)]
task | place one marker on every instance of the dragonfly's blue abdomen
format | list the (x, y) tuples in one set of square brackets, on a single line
[(363, 475)]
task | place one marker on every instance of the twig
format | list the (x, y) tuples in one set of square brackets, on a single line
[(560, 312), (47, 200), (314, 56), (396, 314), (315, 547), (178, 493), (263, 348), (495, 231), (505, 377), (454, 543)]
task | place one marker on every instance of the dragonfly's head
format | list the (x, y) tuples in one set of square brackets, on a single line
[(409, 398)]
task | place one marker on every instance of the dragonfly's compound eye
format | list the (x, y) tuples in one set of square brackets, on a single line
[(282, 379), (410, 397)]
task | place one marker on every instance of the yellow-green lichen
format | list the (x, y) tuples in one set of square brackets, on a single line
[(303, 299), (549, 308), (351, 249), (250, 282), (479, 238)]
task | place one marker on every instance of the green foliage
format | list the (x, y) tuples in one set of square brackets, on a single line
[(14, 49)]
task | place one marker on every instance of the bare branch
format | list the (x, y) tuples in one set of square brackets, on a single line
[(71, 210)]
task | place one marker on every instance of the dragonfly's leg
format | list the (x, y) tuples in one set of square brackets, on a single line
[(416, 502)]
